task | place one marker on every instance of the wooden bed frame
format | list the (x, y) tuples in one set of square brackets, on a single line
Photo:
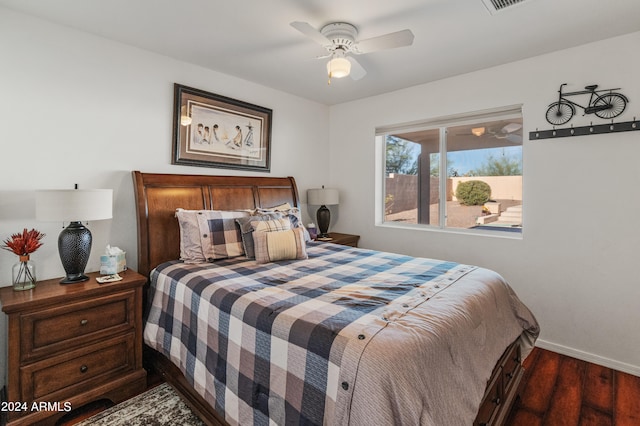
[(158, 195)]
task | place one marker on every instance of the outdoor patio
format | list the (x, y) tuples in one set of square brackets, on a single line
[(458, 216)]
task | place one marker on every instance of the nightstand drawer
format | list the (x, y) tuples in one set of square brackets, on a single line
[(511, 366), (56, 379), (490, 404), (48, 331)]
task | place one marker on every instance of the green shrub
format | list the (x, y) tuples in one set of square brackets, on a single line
[(473, 192)]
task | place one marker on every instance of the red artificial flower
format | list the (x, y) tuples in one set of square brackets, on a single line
[(25, 243)]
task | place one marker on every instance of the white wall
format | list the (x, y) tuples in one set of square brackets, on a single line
[(575, 266), (81, 109)]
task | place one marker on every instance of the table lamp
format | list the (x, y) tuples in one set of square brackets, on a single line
[(74, 206), (323, 197)]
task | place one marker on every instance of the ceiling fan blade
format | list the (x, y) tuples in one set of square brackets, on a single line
[(514, 139), (306, 29), (387, 41), (357, 71), (511, 127)]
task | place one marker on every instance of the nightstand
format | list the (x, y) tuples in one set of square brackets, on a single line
[(343, 239), (71, 344)]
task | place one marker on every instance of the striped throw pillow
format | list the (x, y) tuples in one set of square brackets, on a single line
[(280, 245)]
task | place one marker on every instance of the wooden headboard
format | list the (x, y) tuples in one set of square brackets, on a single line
[(159, 195)]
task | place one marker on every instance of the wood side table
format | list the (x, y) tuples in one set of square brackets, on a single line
[(71, 344), (343, 239)]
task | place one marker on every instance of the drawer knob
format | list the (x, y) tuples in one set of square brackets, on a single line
[(510, 375), (84, 322), (496, 400), (83, 369)]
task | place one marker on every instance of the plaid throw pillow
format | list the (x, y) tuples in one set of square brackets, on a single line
[(246, 229), (271, 225), (294, 215), (206, 235)]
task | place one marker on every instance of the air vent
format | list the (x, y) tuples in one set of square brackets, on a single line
[(495, 6)]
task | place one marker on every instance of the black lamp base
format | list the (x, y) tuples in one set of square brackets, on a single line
[(74, 247), (70, 279), (323, 216)]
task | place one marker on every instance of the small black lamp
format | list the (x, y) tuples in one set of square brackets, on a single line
[(74, 206), (323, 197)]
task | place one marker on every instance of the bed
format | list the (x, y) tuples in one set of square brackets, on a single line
[(340, 336)]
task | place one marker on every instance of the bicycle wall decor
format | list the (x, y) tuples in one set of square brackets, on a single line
[(604, 103)]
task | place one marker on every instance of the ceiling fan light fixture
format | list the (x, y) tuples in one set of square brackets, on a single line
[(340, 38), (338, 67), (478, 131)]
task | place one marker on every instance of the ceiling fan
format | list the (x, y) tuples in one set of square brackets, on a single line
[(340, 39)]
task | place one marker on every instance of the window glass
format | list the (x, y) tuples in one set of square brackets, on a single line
[(463, 175)]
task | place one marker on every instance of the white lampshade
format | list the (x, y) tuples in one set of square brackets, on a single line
[(323, 197), (74, 205), (338, 67)]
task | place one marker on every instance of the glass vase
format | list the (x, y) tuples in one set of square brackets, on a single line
[(24, 274)]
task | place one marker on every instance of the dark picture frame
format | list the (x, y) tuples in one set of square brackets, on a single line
[(211, 130)]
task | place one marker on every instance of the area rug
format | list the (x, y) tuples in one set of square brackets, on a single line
[(158, 406)]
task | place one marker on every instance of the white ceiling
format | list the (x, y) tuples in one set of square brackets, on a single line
[(252, 39)]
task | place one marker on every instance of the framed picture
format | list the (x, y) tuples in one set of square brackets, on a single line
[(210, 130)]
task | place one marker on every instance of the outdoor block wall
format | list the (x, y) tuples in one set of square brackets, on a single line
[(401, 190)]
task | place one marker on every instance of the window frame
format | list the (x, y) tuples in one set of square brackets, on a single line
[(442, 124)]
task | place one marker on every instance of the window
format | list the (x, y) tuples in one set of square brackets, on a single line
[(457, 173)]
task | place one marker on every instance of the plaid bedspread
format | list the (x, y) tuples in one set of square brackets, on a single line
[(293, 342)]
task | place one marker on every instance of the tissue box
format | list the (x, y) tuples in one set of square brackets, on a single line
[(112, 264)]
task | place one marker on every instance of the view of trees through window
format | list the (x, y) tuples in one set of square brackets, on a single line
[(478, 185)]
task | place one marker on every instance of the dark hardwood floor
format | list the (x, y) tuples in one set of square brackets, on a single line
[(562, 391), (557, 391)]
